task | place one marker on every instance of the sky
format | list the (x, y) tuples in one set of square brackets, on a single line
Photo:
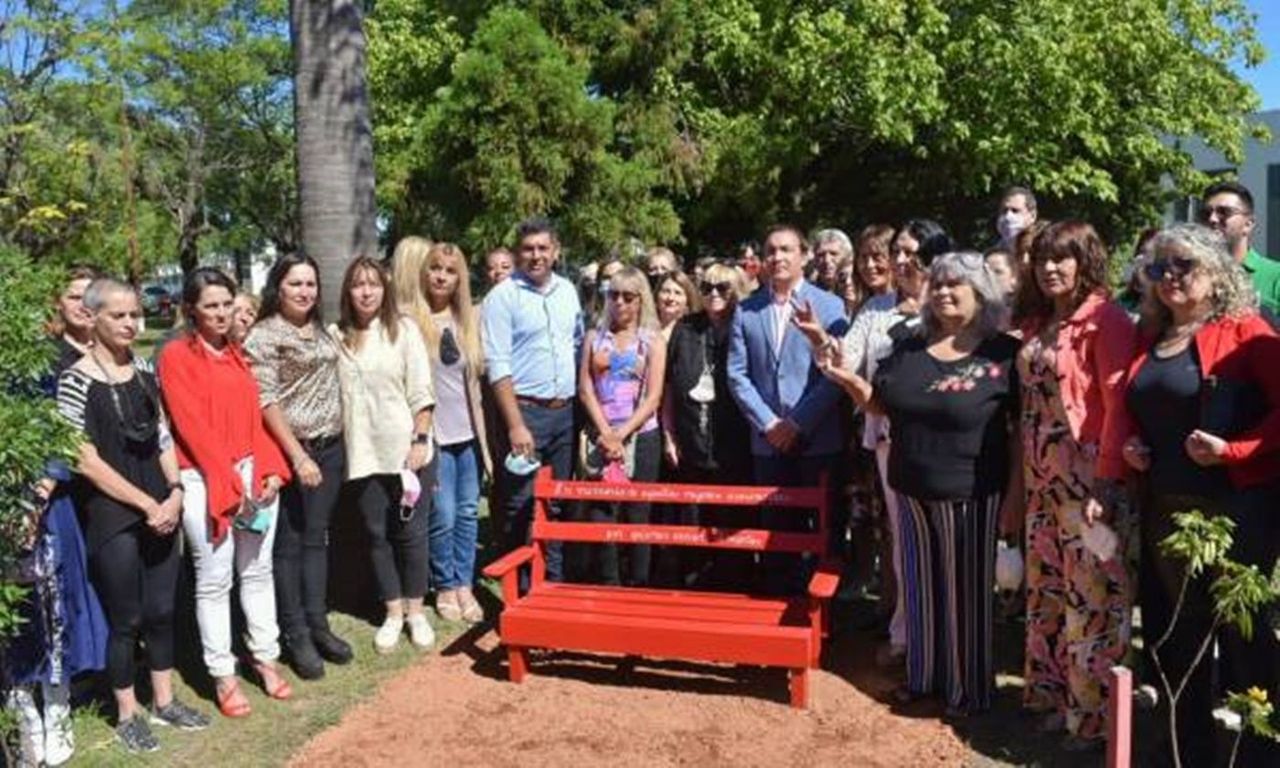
[(1266, 78)]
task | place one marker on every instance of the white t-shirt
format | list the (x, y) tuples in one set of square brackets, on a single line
[(453, 415)]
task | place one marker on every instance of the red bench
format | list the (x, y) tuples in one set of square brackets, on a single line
[(668, 623)]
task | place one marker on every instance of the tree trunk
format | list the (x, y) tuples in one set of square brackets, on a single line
[(334, 138)]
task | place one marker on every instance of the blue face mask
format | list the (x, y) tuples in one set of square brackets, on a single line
[(519, 464)]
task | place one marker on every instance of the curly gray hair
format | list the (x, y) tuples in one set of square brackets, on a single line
[(834, 235), (969, 267), (1232, 294)]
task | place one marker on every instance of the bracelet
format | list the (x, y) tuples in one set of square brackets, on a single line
[(176, 486)]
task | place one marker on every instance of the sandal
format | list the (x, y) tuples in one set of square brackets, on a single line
[(274, 684), (231, 700)]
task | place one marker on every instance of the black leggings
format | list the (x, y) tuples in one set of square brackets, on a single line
[(136, 575), (301, 554), (398, 547)]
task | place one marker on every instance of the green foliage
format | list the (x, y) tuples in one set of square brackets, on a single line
[(736, 113), (30, 431), (1255, 711), (1201, 542)]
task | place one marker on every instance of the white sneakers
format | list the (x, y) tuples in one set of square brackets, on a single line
[(59, 741), (43, 738), (420, 632), (388, 635)]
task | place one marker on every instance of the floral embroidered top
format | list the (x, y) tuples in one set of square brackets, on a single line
[(951, 422)]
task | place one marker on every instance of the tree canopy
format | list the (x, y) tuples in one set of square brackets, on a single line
[(695, 122)]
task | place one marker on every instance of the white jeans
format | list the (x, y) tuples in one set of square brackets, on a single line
[(898, 622), (241, 553)]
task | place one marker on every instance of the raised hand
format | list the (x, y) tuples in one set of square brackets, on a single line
[(805, 319)]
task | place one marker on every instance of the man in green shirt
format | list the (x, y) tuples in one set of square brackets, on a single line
[(1228, 208)]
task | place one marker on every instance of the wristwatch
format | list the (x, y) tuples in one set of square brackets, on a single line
[(421, 438)]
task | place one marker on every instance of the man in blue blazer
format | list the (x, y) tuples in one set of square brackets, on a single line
[(791, 406)]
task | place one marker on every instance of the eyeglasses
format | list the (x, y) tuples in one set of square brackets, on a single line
[(1176, 268), (626, 297), (1223, 212), (724, 289)]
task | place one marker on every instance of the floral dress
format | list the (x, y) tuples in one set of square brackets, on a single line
[(1077, 606)]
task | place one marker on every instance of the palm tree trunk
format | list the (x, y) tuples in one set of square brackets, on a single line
[(334, 138)]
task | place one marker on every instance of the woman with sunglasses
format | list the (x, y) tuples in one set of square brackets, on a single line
[(676, 298), (295, 361), (1205, 396), (950, 393), (387, 402), (452, 331), (624, 360), (705, 436), (232, 472), (1072, 369), (129, 497)]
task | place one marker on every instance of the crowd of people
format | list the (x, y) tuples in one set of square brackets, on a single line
[(955, 397)]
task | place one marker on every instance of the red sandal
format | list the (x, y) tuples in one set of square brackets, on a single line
[(274, 684), (231, 700)]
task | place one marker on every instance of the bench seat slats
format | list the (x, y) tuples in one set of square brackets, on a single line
[(658, 595), (657, 637), (730, 611)]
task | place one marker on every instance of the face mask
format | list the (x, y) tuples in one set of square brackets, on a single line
[(752, 268), (1009, 225)]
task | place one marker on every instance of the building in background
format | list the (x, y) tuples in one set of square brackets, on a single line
[(1260, 172)]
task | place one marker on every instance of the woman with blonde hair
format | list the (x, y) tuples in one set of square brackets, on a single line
[(452, 331), (406, 277), (620, 379)]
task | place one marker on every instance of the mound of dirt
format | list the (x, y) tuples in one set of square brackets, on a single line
[(457, 709)]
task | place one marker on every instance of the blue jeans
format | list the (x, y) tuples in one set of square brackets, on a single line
[(552, 430), (453, 525)]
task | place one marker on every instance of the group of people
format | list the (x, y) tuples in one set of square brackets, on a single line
[(959, 396)]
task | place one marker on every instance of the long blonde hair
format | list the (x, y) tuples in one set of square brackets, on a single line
[(406, 276), (464, 314)]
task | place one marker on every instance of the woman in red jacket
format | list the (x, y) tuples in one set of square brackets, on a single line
[(1072, 368), (1205, 396), (231, 475)]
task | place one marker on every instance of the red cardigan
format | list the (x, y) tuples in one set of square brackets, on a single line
[(1093, 351), (1243, 349), (212, 402)]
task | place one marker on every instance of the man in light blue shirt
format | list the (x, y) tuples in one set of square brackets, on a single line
[(532, 333)]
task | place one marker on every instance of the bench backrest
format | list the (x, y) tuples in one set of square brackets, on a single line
[(547, 489)]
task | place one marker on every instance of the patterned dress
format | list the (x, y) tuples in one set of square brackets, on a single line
[(1077, 606)]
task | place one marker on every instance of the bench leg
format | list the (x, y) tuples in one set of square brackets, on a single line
[(517, 664), (799, 684)]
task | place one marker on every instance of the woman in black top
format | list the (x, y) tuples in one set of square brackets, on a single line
[(951, 398), (705, 436), (129, 500)]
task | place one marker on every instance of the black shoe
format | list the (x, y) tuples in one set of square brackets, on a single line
[(333, 648), (304, 659)]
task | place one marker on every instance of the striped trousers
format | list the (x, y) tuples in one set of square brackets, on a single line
[(948, 552)]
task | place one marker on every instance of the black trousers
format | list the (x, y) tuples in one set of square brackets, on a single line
[(397, 547), (648, 454), (136, 575), (301, 554), (1242, 663)]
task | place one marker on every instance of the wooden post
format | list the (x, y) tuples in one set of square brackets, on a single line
[(1120, 718)]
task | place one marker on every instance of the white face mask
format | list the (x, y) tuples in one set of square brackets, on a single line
[(1010, 225)]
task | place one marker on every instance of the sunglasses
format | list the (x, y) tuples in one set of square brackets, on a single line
[(1223, 212), (626, 297), (1176, 268), (724, 289)]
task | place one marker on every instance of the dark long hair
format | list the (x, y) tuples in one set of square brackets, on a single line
[(932, 238), (387, 313), (271, 293), (1062, 240)]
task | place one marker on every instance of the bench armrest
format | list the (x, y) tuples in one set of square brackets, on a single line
[(825, 581), (509, 562)]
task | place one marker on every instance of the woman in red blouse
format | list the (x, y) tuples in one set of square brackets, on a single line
[(231, 474)]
